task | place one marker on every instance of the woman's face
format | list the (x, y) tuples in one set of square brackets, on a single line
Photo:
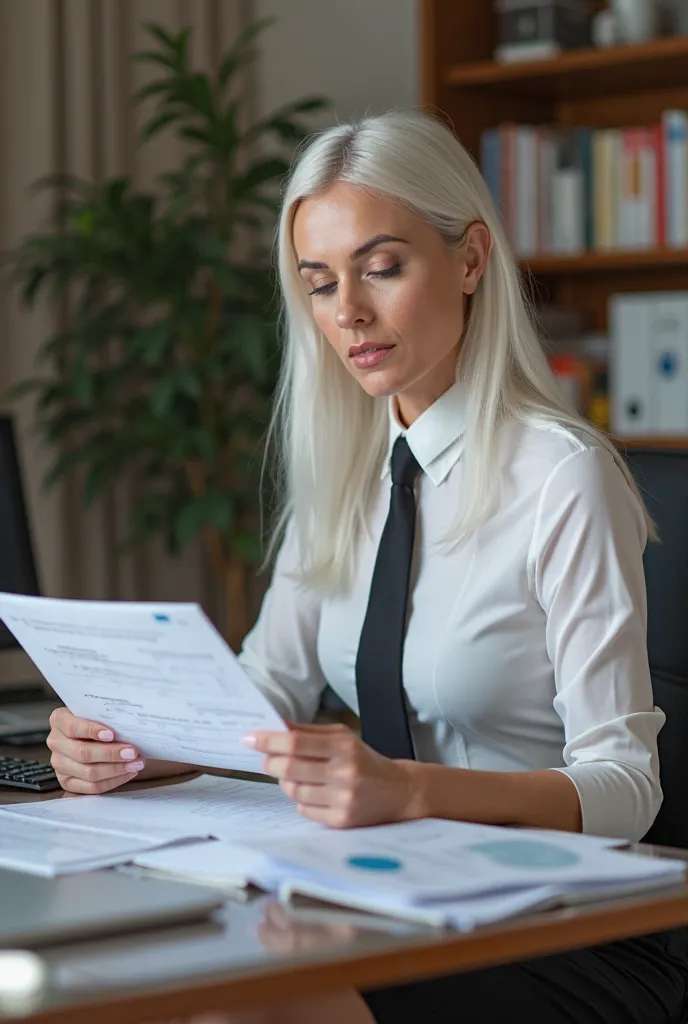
[(386, 291)]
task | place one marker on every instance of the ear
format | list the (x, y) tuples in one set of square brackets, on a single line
[(476, 251)]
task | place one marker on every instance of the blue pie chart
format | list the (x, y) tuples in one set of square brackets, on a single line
[(370, 862), (526, 853)]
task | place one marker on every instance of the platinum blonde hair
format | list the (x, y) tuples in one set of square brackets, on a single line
[(331, 436)]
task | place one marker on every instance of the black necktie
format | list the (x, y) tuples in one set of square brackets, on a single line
[(379, 682)]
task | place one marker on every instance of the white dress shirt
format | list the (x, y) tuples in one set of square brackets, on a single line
[(525, 646)]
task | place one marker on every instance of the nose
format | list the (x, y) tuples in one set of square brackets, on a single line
[(351, 310)]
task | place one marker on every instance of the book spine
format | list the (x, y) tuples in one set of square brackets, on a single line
[(490, 161), (676, 140), (545, 157), (584, 160), (660, 206), (507, 187), (526, 197), (647, 216)]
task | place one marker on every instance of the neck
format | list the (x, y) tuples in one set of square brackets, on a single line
[(417, 399)]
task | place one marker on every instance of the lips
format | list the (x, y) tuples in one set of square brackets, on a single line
[(367, 346)]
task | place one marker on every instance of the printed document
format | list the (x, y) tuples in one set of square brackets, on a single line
[(159, 675), (431, 860), (27, 845), (232, 810)]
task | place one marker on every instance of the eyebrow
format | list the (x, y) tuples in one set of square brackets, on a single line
[(362, 250)]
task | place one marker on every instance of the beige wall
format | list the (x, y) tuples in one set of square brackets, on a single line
[(363, 54)]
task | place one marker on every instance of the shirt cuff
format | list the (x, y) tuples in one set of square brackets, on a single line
[(616, 801)]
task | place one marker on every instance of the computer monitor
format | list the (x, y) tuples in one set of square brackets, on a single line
[(17, 565)]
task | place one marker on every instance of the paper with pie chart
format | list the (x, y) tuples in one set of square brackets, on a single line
[(432, 860)]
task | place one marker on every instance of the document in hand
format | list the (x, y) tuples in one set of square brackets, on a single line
[(456, 873), (159, 675)]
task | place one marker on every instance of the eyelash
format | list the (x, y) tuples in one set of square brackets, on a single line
[(327, 289)]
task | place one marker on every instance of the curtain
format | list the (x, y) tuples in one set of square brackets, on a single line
[(66, 81)]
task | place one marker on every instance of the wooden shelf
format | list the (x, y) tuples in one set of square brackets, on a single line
[(616, 260), (651, 442), (659, 64)]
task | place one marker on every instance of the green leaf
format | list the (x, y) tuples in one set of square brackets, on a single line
[(272, 169), (211, 509), (24, 387), (160, 33), (241, 54), (306, 106), (153, 57), (162, 396), (93, 484), (156, 124), (115, 191), (151, 342), (152, 89), (200, 95), (248, 546)]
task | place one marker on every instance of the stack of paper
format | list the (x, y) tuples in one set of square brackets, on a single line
[(457, 874), (31, 845), (120, 827)]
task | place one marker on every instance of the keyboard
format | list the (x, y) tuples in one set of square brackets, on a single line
[(15, 771)]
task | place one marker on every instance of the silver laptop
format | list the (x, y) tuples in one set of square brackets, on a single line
[(45, 911)]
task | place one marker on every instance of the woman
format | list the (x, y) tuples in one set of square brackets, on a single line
[(415, 394)]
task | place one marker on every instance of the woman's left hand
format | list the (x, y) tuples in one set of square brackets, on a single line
[(335, 778)]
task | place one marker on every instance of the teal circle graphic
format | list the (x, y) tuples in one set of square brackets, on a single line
[(367, 862), (527, 853)]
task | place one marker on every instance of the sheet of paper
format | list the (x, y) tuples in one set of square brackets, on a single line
[(231, 809), (27, 845), (422, 861), (213, 862), (160, 675), (463, 915)]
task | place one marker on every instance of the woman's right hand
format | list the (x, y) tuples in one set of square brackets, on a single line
[(85, 756)]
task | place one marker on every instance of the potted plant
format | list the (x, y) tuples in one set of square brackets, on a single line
[(167, 366)]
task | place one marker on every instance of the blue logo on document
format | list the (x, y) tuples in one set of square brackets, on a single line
[(368, 862), (161, 618), (527, 853)]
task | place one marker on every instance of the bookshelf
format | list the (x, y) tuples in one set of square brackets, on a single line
[(624, 86)]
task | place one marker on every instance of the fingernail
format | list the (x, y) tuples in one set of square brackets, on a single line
[(135, 766), (127, 754), (106, 735), (249, 741)]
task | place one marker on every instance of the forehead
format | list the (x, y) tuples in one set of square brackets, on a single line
[(344, 216)]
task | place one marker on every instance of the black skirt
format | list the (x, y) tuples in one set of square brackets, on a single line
[(637, 981)]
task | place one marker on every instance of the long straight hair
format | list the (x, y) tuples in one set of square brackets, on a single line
[(331, 437)]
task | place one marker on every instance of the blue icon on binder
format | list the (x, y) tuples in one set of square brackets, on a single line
[(667, 364), (368, 862), (527, 853), (161, 618)]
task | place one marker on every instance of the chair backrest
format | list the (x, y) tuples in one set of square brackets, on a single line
[(662, 476)]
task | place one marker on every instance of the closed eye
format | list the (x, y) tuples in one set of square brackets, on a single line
[(327, 289)]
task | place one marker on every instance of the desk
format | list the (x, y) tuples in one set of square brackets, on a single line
[(259, 951)]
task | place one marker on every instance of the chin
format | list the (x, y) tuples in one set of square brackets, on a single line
[(378, 386)]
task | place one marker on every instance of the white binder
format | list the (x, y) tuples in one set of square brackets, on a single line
[(669, 380), (631, 371)]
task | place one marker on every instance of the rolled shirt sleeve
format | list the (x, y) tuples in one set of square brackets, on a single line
[(587, 572), (280, 653)]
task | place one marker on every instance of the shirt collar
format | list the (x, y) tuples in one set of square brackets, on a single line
[(435, 438)]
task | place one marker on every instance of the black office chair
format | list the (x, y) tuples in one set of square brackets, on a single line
[(662, 476)]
